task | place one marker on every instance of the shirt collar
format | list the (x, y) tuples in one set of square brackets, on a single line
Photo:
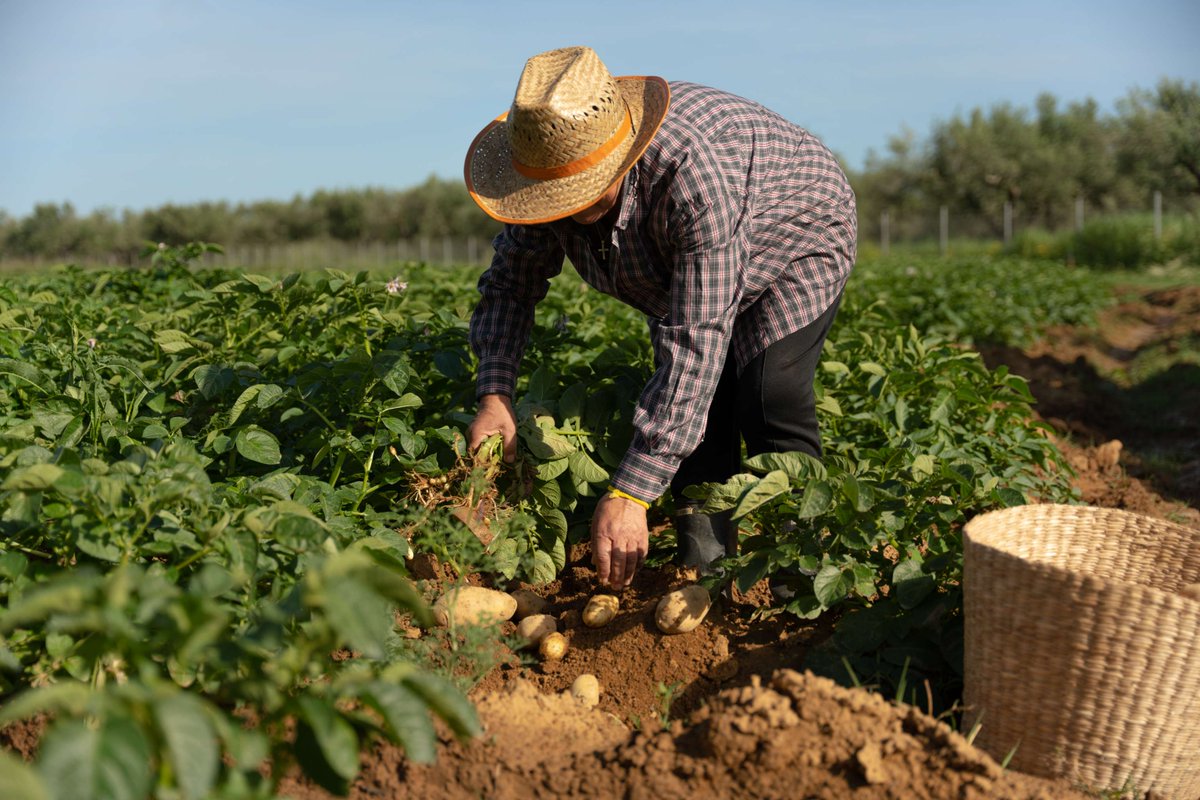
[(628, 190)]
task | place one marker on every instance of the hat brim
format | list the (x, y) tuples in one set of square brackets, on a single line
[(508, 196)]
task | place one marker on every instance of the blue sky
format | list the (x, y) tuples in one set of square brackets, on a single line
[(136, 103)]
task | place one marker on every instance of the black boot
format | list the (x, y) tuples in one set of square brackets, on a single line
[(703, 539)]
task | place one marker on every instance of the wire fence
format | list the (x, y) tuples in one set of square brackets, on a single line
[(890, 228), (899, 227)]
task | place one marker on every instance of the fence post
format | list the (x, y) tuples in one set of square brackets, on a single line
[(425, 249), (447, 251), (885, 234), (1157, 216), (943, 230), (472, 250), (1008, 222)]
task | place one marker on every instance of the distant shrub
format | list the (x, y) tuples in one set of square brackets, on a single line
[(1117, 242), (1036, 243), (1123, 241)]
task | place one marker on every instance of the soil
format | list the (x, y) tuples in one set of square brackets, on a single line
[(721, 711)]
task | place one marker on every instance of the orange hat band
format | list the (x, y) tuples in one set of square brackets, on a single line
[(583, 162)]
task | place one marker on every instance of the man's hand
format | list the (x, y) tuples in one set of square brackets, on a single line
[(495, 415), (620, 540)]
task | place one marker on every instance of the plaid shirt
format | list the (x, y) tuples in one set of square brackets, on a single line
[(734, 229)]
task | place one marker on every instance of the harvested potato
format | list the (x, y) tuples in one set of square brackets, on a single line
[(534, 628), (1191, 590), (682, 610), (586, 689), (600, 610), (553, 647), (528, 603), (473, 605)]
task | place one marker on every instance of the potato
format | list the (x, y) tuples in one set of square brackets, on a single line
[(534, 628), (682, 610), (473, 605), (528, 603), (1191, 590), (553, 647), (600, 610), (586, 689)]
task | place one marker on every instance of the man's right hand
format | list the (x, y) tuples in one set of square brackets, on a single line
[(495, 415)]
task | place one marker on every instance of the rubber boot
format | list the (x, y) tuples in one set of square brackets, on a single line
[(703, 539)]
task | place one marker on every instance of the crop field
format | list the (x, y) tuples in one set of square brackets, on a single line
[(231, 502)]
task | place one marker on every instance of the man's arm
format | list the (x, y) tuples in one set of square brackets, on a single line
[(526, 258), (691, 342), (519, 277)]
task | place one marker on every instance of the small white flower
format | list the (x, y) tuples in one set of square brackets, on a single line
[(162, 245), (396, 286), (92, 343), (910, 271)]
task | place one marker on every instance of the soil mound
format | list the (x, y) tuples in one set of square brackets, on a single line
[(798, 736)]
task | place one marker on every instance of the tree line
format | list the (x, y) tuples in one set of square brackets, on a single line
[(1040, 161)]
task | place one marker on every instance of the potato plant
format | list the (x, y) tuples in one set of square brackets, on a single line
[(212, 482)]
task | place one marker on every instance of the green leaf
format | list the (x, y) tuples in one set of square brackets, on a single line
[(397, 373), (19, 781), (112, 761), (571, 404), (911, 583), (816, 500), (723, 496), (337, 744), (36, 478), (212, 379), (762, 491), (543, 570), (263, 395), (583, 468), (68, 697), (860, 495), (1010, 497), (405, 718), (69, 591), (446, 701), (191, 743), (797, 465), (173, 341), (545, 444), (924, 466), (154, 431), (359, 615), (406, 400), (504, 557), (944, 406), (26, 375), (831, 585), (257, 445), (755, 570), (264, 284), (549, 470), (830, 406)]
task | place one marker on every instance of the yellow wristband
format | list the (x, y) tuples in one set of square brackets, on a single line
[(613, 492)]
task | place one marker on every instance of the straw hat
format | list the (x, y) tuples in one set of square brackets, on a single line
[(572, 131)]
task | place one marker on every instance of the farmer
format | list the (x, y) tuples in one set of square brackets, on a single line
[(730, 228)]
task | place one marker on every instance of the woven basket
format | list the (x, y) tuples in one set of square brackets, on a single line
[(1081, 651)]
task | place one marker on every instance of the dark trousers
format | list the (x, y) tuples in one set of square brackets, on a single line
[(770, 405)]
